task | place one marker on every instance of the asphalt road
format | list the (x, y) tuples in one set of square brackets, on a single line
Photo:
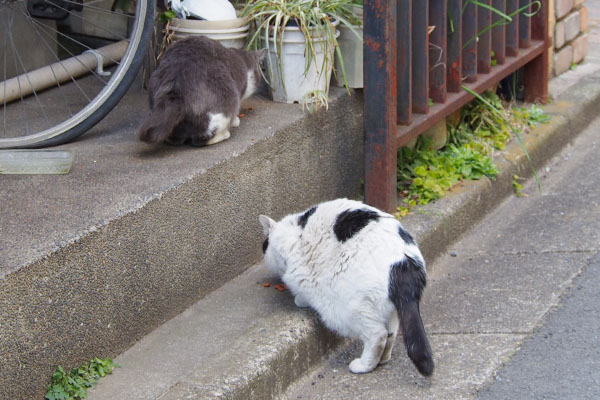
[(562, 358)]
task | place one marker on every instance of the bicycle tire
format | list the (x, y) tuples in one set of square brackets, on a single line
[(109, 96)]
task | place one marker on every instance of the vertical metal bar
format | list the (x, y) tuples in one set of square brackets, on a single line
[(420, 59), (454, 61), (537, 71), (539, 21), (524, 24), (484, 45), (512, 29), (469, 36), (437, 51), (404, 62), (379, 60), (499, 32)]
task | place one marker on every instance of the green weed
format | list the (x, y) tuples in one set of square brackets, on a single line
[(167, 16), (484, 126), (532, 116), (517, 187), (74, 386)]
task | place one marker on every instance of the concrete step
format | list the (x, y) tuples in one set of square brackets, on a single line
[(239, 340), (92, 261), (245, 341), (496, 290)]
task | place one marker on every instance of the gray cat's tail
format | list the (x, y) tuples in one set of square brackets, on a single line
[(161, 122), (407, 281)]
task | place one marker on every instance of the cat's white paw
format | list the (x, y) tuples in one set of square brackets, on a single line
[(357, 367), (236, 121), (300, 302), (219, 137)]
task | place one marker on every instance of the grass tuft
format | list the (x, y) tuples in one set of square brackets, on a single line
[(74, 385), (485, 126)]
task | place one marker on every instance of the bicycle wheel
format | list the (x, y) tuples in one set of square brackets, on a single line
[(51, 88)]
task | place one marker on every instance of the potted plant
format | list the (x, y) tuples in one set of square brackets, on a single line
[(203, 18), (301, 36), (351, 47)]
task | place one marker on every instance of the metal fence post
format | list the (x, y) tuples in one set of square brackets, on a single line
[(380, 94)]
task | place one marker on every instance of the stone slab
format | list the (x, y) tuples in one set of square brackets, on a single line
[(463, 363)]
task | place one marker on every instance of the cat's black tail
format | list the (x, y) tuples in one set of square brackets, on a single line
[(161, 122), (407, 281)]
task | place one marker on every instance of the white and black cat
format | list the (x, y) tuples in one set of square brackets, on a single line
[(360, 270), (195, 92)]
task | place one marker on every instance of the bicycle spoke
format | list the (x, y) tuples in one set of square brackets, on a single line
[(4, 66), (87, 21), (14, 51), (90, 70), (39, 35), (72, 40), (34, 22), (28, 80), (79, 94), (89, 6)]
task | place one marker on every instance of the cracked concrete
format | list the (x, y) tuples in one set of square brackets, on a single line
[(491, 290)]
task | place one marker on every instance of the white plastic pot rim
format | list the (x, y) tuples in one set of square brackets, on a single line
[(296, 37), (191, 30), (216, 37), (202, 24)]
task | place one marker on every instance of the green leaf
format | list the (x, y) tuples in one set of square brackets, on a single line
[(484, 125), (74, 385), (167, 16), (420, 171)]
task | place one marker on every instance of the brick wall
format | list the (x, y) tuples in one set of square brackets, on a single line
[(570, 37)]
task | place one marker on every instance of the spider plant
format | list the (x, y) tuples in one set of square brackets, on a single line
[(316, 20)]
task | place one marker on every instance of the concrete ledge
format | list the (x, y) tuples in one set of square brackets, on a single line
[(106, 285), (263, 361), (272, 362), (241, 341), (96, 259)]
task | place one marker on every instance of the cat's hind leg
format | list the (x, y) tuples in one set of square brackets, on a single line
[(374, 342), (219, 124), (392, 327), (235, 122)]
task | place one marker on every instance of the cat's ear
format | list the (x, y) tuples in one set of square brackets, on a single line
[(260, 54), (267, 224)]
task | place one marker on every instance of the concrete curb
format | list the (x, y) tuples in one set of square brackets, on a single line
[(112, 286), (265, 363), (244, 372)]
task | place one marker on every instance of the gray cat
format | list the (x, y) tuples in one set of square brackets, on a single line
[(196, 90)]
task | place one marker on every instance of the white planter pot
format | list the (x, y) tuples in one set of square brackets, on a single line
[(352, 51), (351, 48), (290, 66), (230, 33)]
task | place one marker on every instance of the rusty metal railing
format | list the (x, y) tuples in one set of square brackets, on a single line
[(405, 67)]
